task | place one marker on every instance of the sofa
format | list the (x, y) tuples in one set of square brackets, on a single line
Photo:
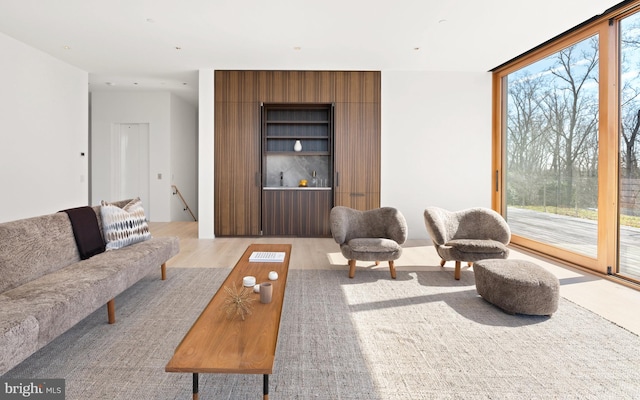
[(46, 287)]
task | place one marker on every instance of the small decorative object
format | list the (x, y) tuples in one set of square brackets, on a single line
[(273, 275), (249, 281), (256, 288), (238, 303), (297, 146), (302, 183), (266, 292)]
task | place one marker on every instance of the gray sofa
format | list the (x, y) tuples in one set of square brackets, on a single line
[(45, 287)]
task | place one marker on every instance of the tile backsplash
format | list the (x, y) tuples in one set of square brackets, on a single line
[(295, 168)]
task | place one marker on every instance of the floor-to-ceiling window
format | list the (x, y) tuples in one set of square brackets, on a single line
[(629, 144), (567, 121), (552, 148)]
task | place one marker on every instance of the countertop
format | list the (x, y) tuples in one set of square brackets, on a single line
[(294, 188)]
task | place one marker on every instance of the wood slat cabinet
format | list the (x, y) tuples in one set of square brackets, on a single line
[(237, 163), (239, 86), (357, 140), (356, 96), (302, 213), (298, 87), (358, 87)]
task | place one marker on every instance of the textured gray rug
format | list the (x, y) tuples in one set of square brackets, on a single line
[(422, 336)]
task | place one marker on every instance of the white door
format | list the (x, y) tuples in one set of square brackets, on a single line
[(130, 163)]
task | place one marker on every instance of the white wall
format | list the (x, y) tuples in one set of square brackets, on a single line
[(43, 131), (184, 160), (154, 108), (205, 153), (436, 142)]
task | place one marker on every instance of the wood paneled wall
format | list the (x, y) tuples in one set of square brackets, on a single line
[(236, 169), (238, 95)]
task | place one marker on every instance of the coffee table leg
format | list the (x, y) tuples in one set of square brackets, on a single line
[(265, 389), (195, 386)]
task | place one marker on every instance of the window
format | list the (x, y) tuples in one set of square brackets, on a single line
[(629, 136), (566, 150), (552, 148)]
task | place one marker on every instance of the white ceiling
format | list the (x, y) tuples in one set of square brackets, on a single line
[(161, 44)]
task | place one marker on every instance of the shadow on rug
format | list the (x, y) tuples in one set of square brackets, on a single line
[(422, 336)]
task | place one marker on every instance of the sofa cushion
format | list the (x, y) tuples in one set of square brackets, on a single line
[(373, 245), (371, 249), (33, 247), (124, 226), (477, 246), (18, 337)]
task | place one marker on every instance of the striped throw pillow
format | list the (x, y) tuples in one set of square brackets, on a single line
[(124, 226)]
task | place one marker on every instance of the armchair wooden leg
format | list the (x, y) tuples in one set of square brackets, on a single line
[(377, 262), (442, 262), (456, 273), (392, 268), (352, 268)]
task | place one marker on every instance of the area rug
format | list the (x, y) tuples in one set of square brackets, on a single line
[(421, 336)]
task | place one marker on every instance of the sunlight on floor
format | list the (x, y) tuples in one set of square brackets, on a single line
[(611, 300)]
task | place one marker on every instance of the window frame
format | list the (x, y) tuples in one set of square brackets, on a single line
[(606, 27)]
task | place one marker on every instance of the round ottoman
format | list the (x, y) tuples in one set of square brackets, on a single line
[(517, 286)]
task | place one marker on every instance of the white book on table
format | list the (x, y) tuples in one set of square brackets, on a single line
[(267, 256)]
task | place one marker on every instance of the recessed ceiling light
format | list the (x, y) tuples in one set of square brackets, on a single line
[(135, 83), (66, 47), (416, 48), (297, 48), (178, 48), (184, 83), (442, 21), (150, 20), (110, 83)]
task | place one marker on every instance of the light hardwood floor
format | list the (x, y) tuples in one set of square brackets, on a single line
[(614, 301)]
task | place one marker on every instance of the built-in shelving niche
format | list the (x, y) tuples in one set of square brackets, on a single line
[(287, 208), (282, 126)]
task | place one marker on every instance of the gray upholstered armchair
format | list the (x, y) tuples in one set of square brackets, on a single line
[(468, 235), (373, 235)]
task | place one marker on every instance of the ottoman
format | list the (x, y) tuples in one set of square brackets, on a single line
[(517, 286)]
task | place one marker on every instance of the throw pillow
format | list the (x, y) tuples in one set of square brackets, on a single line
[(124, 226)]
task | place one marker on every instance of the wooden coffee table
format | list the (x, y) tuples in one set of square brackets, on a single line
[(217, 343)]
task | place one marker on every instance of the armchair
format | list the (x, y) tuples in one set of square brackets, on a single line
[(373, 235), (468, 235)]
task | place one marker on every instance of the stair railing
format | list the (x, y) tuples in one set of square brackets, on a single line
[(186, 206)]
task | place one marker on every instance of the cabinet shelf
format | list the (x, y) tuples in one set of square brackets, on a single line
[(297, 137), (284, 145)]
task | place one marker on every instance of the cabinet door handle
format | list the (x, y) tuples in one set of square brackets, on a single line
[(257, 179), (337, 179), (356, 194)]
